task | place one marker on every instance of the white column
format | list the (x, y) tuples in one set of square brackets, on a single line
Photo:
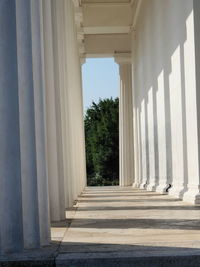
[(151, 141), (62, 47), (192, 97), (162, 137), (56, 58), (135, 116), (137, 153), (84, 171), (144, 144), (74, 104), (126, 121), (43, 196), (160, 106), (11, 233), (69, 197), (72, 101), (57, 210), (27, 126)]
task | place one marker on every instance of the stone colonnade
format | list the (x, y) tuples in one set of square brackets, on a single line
[(42, 158), (165, 71), (159, 104)]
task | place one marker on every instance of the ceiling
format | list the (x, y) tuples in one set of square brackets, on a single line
[(104, 1), (98, 13), (106, 25), (106, 15)]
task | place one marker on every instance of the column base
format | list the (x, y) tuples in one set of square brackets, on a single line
[(125, 185), (192, 196), (151, 187), (177, 191), (162, 188), (135, 185), (143, 186)]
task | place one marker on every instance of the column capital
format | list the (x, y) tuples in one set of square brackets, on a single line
[(82, 60), (123, 58)]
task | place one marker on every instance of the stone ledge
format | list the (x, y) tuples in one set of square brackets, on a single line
[(183, 258), (127, 259)]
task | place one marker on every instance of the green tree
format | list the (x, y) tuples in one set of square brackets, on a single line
[(102, 142)]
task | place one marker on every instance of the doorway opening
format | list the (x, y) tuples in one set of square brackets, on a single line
[(101, 119)]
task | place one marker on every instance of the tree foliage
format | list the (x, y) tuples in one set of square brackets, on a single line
[(102, 142)]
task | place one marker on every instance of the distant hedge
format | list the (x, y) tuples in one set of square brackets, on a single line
[(102, 142)]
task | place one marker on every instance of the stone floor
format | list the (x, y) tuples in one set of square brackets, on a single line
[(113, 226), (131, 222)]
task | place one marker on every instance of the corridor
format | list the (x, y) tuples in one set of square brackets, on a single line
[(113, 226)]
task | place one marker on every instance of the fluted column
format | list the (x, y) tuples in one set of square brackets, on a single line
[(39, 105), (27, 126), (11, 230), (192, 97), (57, 210), (74, 104), (125, 121), (62, 47), (83, 161), (69, 197), (137, 173)]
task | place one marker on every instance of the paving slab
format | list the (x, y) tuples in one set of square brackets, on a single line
[(114, 226), (121, 224)]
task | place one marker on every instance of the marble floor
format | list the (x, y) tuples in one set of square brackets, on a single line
[(114, 219), (120, 227)]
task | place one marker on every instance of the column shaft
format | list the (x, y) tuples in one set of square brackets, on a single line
[(56, 210), (126, 122), (11, 230), (68, 178), (192, 97), (62, 47), (55, 215), (38, 82), (27, 126), (75, 112), (135, 117)]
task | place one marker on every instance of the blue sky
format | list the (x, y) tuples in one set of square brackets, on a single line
[(100, 80)]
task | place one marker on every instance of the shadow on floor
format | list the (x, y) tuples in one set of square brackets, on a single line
[(83, 247), (129, 200), (170, 208), (179, 224), (119, 196), (112, 255)]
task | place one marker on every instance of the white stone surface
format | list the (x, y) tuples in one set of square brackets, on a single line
[(126, 149), (191, 58), (61, 46), (11, 231), (31, 231), (165, 71), (57, 209), (39, 98), (75, 105)]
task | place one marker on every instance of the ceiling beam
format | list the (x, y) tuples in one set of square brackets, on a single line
[(107, 3), (138, 4), (107, 30)]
